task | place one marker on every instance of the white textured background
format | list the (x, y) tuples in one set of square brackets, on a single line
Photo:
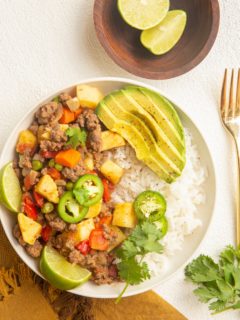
[(49, 44)]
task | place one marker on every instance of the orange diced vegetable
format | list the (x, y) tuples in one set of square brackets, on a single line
[(104, 220), (68, 158), (54, 173), (67, 117), (77, 113), (97, 241)]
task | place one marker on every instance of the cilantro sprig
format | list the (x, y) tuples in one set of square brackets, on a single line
[(144, 239), (76, 136), (218, 283)]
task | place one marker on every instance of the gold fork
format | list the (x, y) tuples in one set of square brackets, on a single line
[(230, 113)]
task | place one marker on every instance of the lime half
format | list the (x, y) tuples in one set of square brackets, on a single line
[(143, 14), (10, 190), (61, 273), (163, 37)]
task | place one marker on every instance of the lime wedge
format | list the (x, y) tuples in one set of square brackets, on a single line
[(61, 273), (143, 14), (163, 37), (10, 190)]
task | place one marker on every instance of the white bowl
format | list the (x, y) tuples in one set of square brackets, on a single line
[(205, 212)]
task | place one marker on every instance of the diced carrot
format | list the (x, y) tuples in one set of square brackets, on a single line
[(54, 173), (104, 220), (97, 240), (67, 117), (68, 158), (77, 112)]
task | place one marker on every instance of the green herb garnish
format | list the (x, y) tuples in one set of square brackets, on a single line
[(144, 239), (77, 137), (218, 284)]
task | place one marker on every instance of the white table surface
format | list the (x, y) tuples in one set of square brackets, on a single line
[(47, 45)]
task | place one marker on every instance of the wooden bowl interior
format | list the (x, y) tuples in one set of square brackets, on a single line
[(122, 41)]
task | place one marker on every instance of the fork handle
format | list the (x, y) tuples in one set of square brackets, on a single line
[(237, 141)]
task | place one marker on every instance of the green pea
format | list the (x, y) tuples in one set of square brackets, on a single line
[(58, 166), (47, 207), (69, 185), (37, 165), (51, 163)]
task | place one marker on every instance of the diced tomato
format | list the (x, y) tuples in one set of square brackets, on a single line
[(97, 240), (46, 233), (83, 247), (30, 211), (22, 147), (27, 182), (48, 154), (54, 173), (104, 220), (112, 271), (38, 199), (27, 199), (106, 191)]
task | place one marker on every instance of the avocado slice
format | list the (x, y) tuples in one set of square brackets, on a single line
[(150, 124), (169, 145), (117, 107), (161, 110), (134, 138)]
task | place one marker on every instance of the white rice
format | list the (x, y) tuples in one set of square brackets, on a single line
[(183, 197)]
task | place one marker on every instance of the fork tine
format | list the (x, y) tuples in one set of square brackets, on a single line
[(224, 104), (231, 97), (238, 95)]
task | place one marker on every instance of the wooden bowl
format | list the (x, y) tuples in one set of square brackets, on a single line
[(122, 43)]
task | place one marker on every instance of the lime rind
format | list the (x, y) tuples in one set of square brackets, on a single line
[(143, 14), (163, 37), (61, 273), (10, 189)]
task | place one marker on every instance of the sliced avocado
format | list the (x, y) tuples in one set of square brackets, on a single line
[(173, 149), (161, 110), (134, 138), (117, 107)]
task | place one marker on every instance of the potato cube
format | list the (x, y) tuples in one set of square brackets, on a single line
[(112, 171), (111, 140), (30, 229), (84, 229), (47, 188), (120, 237), (88, 96), (73, 104), (88, 162), (94, 210), (44, 133), (124, 215), (26, 141)]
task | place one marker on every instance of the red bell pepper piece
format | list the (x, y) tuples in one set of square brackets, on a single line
[(46, 233), (29, 207), (104, 220), (48, 154), (83, 247), (97, 240), (54, 173), (38, 199)]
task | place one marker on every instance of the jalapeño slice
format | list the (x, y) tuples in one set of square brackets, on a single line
[(162, 225), (70, 210), (150, 205), (88, 190)]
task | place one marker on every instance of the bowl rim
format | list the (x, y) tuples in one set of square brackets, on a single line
[(8, 233), (158, 75)]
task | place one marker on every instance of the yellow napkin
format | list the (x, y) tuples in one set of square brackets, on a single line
[(25, 296)]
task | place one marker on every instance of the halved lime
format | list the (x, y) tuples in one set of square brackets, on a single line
[(61, 273), (143, 14), (166, 34), (10, 190)]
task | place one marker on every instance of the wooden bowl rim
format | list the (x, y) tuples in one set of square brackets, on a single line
[(159, 75)]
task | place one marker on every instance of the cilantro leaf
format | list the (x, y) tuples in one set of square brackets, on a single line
[(133, 272), (81, 195), (76, 136), (218, 284)]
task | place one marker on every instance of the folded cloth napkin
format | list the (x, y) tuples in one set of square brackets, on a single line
[(25, 296)]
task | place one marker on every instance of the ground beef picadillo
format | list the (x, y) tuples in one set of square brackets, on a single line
[(100, 263)]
